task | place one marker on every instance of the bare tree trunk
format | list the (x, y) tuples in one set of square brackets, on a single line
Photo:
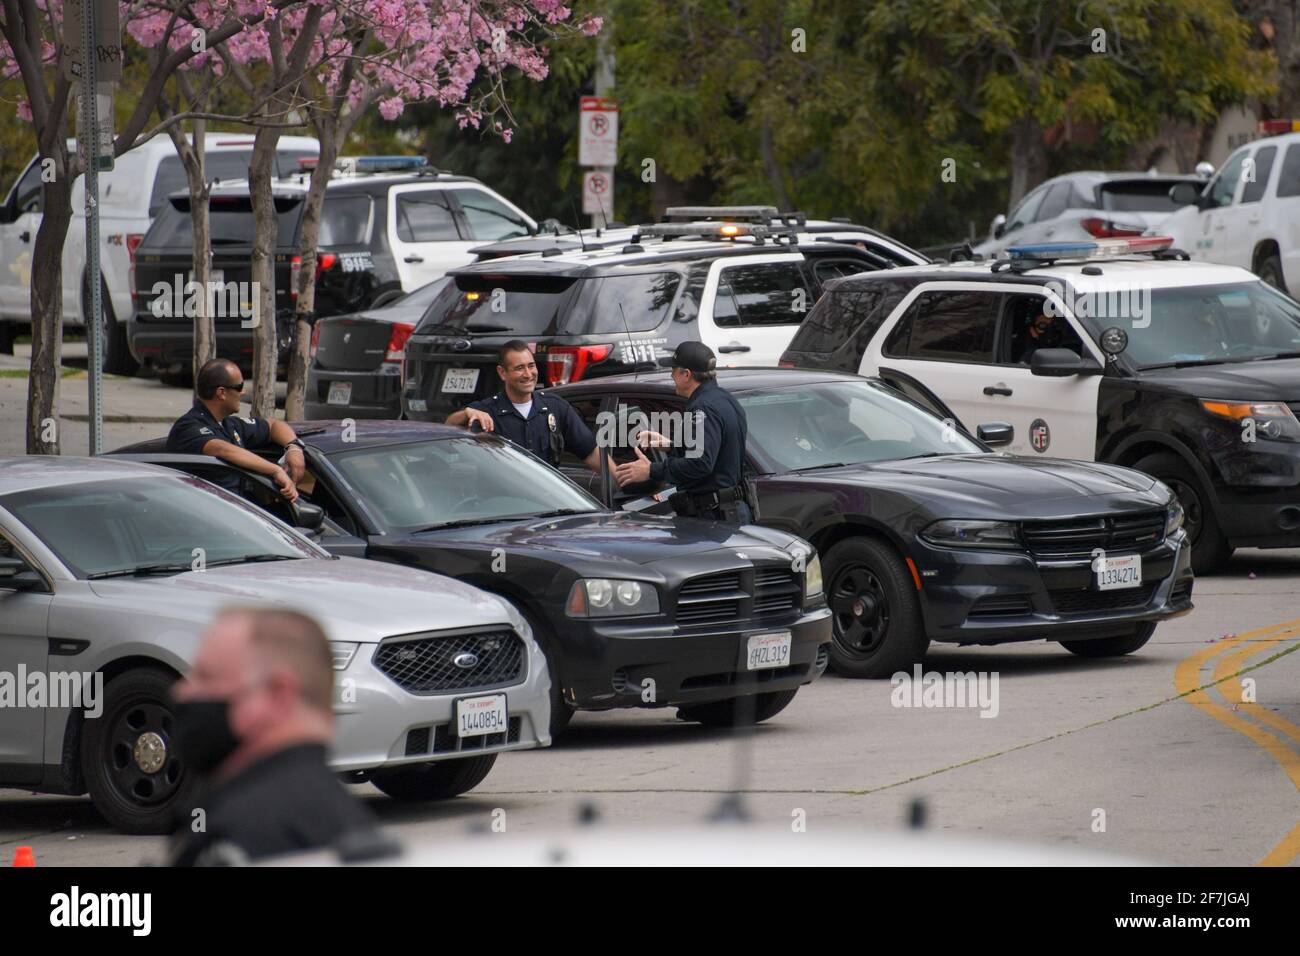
[(773, 168), (194, 162), (1028, 158), (47, 310), (265, 235), (295, 407)]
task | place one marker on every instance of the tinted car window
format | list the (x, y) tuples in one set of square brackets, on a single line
[(170, 178), (1288, 183), (1259, 171), (1027, 209), (772, 293), (425, 217), (1029, 327), (951, 326), (230, 218), (524, 305), (636, 303), (1138, 195), (839, 316), (489, 218), (1055, 203), (345, 221)]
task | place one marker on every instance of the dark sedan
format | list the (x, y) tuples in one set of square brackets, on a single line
[(632, 610), (927, 534), (356, 368)]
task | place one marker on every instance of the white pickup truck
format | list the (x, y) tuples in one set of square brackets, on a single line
[(130, 195)]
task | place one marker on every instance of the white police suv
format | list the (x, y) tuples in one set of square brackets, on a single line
[(1119, 351)]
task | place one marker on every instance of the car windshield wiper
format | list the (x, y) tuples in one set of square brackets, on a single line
[(1187, 363), (141, 571), (829, 464), (560, 513), (252, 559), (439, 326), (927, 454), (1279, 355), (467, 522)]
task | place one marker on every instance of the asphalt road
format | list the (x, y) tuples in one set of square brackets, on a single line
[(1123, 757)]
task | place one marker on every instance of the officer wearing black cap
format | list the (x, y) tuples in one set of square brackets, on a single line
[(709, 478), (545, 424)]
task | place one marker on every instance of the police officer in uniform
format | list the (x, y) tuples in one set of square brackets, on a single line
[(254, 721), (215, 427), (709, 478), (545, 424)]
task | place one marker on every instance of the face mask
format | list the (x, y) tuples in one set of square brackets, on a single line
[(203, 735)]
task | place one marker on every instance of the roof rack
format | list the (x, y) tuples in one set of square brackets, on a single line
[(762, 215)]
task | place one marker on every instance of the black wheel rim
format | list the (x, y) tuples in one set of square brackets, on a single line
[(137, 754), (860, 607), (1193, 510)]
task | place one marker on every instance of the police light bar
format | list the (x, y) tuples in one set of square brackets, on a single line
[(721, 230), (1274, 127), (352, 165), (748, 213), (1100, 249)]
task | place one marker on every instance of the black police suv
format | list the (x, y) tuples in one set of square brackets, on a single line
[(1187, 371), (388, 226), (925, 534), (724, 623), (601, 306)]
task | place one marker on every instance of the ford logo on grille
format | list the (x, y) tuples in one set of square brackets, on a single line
[(465, 659), (461, 345)]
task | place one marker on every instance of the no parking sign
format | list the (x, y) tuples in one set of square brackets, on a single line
[(598, 192), (597, 131)]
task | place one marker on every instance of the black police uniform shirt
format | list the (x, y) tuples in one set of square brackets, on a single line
[(550, 418), (287, 802), (197, 427), (719, 461)]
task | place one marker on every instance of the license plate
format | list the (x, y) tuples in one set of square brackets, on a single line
[(764, 651), (479, 716), (460, 381), (340, 393), (1113, 573)]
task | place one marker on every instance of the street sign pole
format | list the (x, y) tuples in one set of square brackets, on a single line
[(90, 132)]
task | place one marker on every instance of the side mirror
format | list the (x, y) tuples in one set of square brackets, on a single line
[(995, 433), (998, 226), (1060, 363), (1185, 193), (17, 575), (7, 213), (307, 516)]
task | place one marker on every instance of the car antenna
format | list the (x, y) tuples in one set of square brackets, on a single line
[(576, 227)]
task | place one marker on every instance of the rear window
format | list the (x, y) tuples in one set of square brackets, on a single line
[(345, 221), (636, 303), (231, 222), (224, 165), (840, 316), (1139, 195)]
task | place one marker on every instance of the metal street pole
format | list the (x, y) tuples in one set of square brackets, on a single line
[(90, 136), (604, 85)]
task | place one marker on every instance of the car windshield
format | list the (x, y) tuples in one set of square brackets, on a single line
[(451, 481), (845, 423), (1211, 324), (129, 524)]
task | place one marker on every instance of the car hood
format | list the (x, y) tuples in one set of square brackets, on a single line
[(606, 537), (1002, 486), (1270, 380), (353, 599)]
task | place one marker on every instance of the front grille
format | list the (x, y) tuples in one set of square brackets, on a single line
[(990, 607), (1082, 600), (1079, 536), (728, 596), (425, 665), (445, 739)]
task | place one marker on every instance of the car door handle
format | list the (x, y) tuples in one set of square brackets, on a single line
[(733, 348), (25, 236), (996, 390), (413, 259)]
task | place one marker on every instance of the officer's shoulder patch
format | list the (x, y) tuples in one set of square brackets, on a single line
[(247, 419), (205, 430)]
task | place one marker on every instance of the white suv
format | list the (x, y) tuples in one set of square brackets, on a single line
[(1249, 214), (130, 196)]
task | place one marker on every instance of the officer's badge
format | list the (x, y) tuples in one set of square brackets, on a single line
[(550, 420)]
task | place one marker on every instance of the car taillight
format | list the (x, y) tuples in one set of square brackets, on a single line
[(295, 270), (1107, 229), (568, 363), (325, 260), (397, 341), (315, 338), (133, 240)]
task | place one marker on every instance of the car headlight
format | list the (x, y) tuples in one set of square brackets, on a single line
[(1271, 419), (343, 652), (959, 533), (1173, 517), (812, 581), (606, 597)]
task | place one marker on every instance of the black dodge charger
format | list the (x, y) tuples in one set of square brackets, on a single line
[(925, 533), (632, 610)]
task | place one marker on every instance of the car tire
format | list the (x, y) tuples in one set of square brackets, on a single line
[(434, 781), (130, 797), (739, 711), (1210, 547), (876, 625), (1112, 646), (561, 712), (116, 358), (1270, 270)]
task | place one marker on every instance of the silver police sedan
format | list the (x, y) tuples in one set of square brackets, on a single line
[(111, 570)]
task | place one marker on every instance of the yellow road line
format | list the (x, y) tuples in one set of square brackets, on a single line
[(1231, 690), (1187, 680)]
